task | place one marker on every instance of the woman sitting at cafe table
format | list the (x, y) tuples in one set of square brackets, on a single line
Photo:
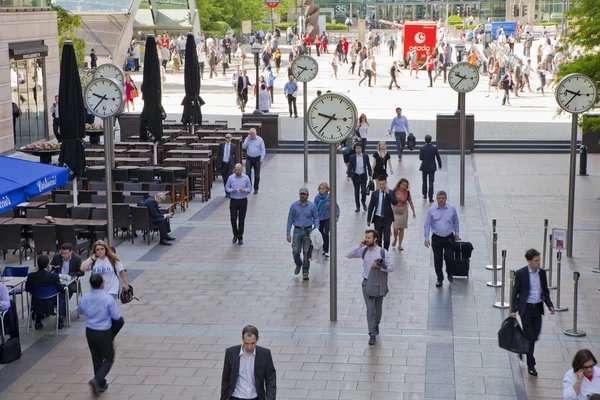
[(582, 381)]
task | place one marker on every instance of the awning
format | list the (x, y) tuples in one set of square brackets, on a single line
[(27, 50)]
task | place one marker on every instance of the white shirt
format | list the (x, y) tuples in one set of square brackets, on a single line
[(245, 387), (587, 388), (264, 100), (65, 266), (379, 211), (111, 280), (360, 165), (363, 129), (366, 64)]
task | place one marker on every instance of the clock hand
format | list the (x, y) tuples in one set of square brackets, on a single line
[(575, 95), (572, 92), (101, 100), (300, 73), (327, 123), (327, 116), (97, 95)]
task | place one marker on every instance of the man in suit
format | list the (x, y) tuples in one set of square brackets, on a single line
[(529, 294), (67, 263), (157, 219), (428, 154), (380, 210), (248, 371), (359, 170), (227, 157), (242, 86), (43, 277)]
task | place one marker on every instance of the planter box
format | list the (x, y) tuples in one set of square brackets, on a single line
[(591, 139)]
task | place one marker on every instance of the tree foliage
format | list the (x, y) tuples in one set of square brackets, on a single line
[(67, 23), (233, 12)]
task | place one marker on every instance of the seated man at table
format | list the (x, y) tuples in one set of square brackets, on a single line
[(69, 264), (157, 219), (43, 277), (11, 320)]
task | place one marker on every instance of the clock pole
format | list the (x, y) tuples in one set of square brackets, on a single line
[(305, 126), (333, 234), (463, 134), (109, 164), (572, 171)]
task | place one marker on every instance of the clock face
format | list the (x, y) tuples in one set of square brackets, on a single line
[(104, 97), (305, 68), (110, 71), (332, 117), (463, 77), (576, 93)]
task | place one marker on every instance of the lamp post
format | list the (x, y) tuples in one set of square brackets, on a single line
[(256, 49)]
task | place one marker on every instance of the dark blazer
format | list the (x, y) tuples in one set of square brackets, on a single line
[(240, 84), (264, 373), (352, 165), (154, 213), (74, 264), (428, 154), (233, 157), (43, 278), (388, 200), (521, 290)]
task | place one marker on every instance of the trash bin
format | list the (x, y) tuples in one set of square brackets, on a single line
[(447, 131), (590, 137), (129, 124), (269, 130)]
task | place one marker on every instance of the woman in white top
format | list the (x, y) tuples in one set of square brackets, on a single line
[(107, 264), (264, 98), (583, 380), (334, 65), (363, 130)]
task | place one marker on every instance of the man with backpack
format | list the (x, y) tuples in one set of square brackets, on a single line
[(377, 264)]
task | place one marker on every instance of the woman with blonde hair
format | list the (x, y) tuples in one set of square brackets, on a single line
[(106, 263), (401, 211), (381, 160), (323, 203)]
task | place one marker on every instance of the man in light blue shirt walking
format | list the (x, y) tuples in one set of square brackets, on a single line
[(238, 187), (399, 129), (255, 155), (100, 309), (304, 216)]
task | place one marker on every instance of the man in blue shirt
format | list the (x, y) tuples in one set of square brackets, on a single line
[(304, 216), (100, 309), (399, 128), (290, 91), (442, 221), (238, 186), (255, 155)]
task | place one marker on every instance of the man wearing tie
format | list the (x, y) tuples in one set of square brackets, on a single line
[(428, 154), (237, 187), (358, 171), (380, 210), (226, 158), (242, 89), (255, 155)]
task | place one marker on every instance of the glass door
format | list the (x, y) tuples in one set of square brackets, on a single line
[(28, 94)]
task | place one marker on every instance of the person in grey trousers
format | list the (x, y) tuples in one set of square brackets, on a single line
[(373, 257), (399, 128)]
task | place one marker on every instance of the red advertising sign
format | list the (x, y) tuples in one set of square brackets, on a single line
[(420, 36), (272, 3)]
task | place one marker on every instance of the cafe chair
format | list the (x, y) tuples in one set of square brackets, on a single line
[(20, 272), (97, 232), (10, 239), (128, 186), (98, 199), (140, 221), (57, 210), (8, 214), (62, 198), (120, 175), (177, 188), (145, 175), (94, 175), (157, 187), (144, 195), (133, 199), (117, 197), (36, 212), (66, 234), (85, 196), (45, 293), (2, 315), (97, 186), (80, 212), (44, 238), (121, 219), (55, 192)]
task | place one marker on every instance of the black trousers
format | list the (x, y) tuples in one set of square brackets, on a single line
[(237, 211), (163, 226), (103, 353), (532, 326), (137, 64), (243, 95), (55, 128), (443, 250), (292, 102), (384, 229), (201, 65), (360, 187), (368, 75), (393, 81), (226, 171), (352, 66), (427, 189), (253, 163), (324, 229)]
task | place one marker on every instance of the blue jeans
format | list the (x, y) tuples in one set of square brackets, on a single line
[(299, 245)]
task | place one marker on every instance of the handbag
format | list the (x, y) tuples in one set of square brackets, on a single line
[(370, 186), (10, 351), (346, 150), (134, 92), (512, 338)]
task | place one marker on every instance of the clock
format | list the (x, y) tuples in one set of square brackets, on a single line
[(305, 68), (332, 117), (104, 97), (110, 71), (576, 93), (463, 77)]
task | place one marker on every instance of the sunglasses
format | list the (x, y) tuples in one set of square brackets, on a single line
[(588, 366), (227, 137)]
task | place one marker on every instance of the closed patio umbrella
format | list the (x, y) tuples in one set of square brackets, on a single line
[(153, 113), (192, 101)]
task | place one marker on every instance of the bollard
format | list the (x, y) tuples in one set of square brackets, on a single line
[(597, 270), (545, 243), (510, 292), (550, 286), (494, 283), (558, 265), (502, 303), (575, 332), (583, 161)]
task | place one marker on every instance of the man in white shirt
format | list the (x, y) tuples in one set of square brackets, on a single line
[(367, 67)]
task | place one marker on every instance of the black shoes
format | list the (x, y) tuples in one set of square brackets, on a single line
[(95, 387), (240, 241), (103, 389), (424, 197), (431, 200), (255, 191), (38, 325), (169, 238), (450, 278), (297, 270), (164, 243), (532, 371), (357, 210), (305, 276), (234, 240), (438, 284), (61, 323), (364, 206), (372, 340)]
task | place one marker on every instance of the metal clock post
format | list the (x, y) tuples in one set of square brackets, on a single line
[(575, 93), (305, 69)]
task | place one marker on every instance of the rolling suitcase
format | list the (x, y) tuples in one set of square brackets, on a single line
[(462, 258)]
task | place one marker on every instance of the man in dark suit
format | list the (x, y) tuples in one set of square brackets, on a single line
[(428, 154), (380, 210), (529, 294), (227, 157), (43, 277), (242, 86), (157, 219), (67, 263), (359, 170), (248, 371)]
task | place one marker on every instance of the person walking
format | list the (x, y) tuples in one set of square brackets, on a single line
[(107, 264), (93, 59), (290, 90), (264, 99), (176, 58), (248, 370), (530, 292), (399, 128), (374, 258), (56, 118), (304, 216), (507, 83), (227, 158), (323, 204), (541, 71), (393, 79), (381, 161), (129, 88), (367, 69), (391, 46), (442, 221), (242, 86), (363, 131), (401, 211), (526, 73), (359, 170), (238, 187), (380, 210), (334, 65), (255, 155), (430, 65), (428, 154), (353, 57), (100, 310), (494, 74)]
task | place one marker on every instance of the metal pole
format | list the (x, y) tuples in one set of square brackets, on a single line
[(575, 332), (597, 270), (273, 21), (495, 266), (512, 284), (75, 195), (305, 125), (109, 162), (333, 234), (572, 171), (463, 135), (558, 265), (257, 64), (545, 243), (502, 303), (550, 255)]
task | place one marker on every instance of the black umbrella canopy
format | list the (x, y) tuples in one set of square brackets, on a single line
[(192, 101), (71, 113), (151, 127)]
